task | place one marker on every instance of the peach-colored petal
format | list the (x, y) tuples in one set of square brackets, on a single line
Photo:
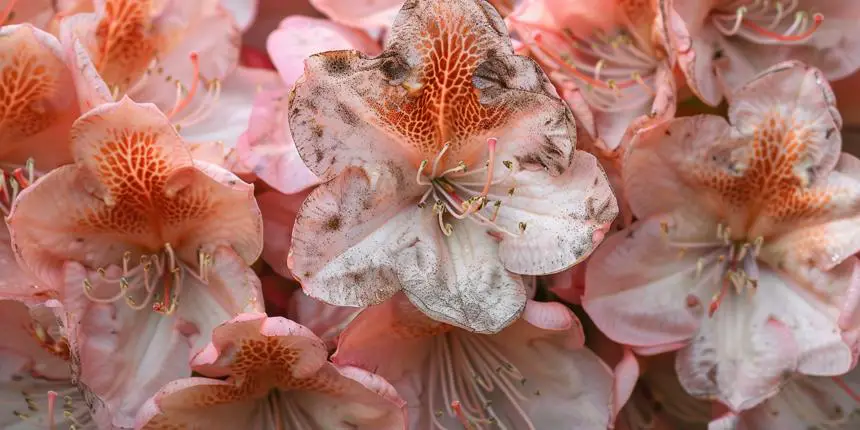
[(37, 109), (277, 375)]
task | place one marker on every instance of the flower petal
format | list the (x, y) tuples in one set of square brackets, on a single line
[(38, 110), (224, 213), (349, 106), (243, 11), (640, 291), (267, 148), (565, 217), (355, 234), (663, 162), (469, 287), (743, 354), (279, 213), (298, 37), (805, 403), (369, 14), (793, 106), (824, 242)]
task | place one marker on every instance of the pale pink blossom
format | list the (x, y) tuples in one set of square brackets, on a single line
[(534, 374), (722, 44), (180, 55), (802, 404), (36, 390), (449, 170), (607, 58), (743, 253), (148, 248), (272, 373)]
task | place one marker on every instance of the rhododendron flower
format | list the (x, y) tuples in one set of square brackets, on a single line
[(450, 169), (272, 374), (279, 214), (606, 55), (35, 385), (802, 404), (151, 250), (323, 319), (722, 44), (180, 55), (267, 148), (743, 253), (535, 374)]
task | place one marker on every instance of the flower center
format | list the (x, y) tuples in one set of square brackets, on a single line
[(463, 194), (614, 72), (469, 374), (157, 279), (737, 262), (767, 22), (13, 183)]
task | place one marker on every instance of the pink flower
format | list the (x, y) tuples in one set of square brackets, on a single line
[(323, 319), (802, 404), (182, 56), (534, 374), (35, 382), (149, 250), (272, 374), (279, 215), (722, 44), (743, 253), (603, 58), (449, 170), (267, 148)]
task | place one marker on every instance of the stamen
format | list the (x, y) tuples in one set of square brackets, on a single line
[(848, 390), (52, 397), (183, 102), (438, 158), (818, 19), (718, 298), (739, 19), (491, 144)]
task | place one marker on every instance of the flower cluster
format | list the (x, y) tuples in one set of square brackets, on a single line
[(429, 214)]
